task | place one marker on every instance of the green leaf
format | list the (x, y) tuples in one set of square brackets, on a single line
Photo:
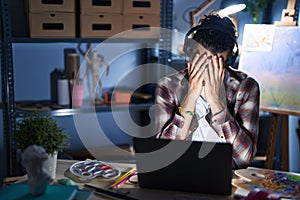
[(42, 130)]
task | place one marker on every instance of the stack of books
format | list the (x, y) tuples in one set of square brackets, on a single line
[(57, 192)]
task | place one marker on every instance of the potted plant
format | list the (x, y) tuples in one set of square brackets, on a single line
[(42, 130)]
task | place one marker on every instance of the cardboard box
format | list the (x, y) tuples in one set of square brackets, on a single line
[(100, 25), (51, 5), (117, 97), (52, 25), (141, 6), (141, 26), (101, 6)]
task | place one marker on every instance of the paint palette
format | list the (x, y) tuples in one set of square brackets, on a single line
[(285, 184), (91, 169)]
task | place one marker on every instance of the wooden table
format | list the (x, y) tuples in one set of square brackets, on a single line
[(63, 171), (128, 188)]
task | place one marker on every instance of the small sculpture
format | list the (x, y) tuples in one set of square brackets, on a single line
[(38, 177), (95, 62)]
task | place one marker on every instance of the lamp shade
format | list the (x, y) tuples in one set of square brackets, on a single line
[(232, 9), (229, 7)]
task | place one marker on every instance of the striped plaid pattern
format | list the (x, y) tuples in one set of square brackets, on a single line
[(238, 122)]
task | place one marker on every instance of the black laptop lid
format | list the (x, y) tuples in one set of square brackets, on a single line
[(202, 167)]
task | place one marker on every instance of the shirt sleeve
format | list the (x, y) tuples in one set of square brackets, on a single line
[(169, 122), (240, 126)]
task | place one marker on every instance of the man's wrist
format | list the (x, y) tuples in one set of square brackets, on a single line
[(185, 112), (188, 105), (216, 108)]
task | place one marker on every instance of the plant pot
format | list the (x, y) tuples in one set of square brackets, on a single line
[(50, 165)]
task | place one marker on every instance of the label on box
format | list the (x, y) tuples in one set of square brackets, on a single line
[(52, 25), (142, 6), (100, 25), (140, 26), (101, 6), (51, 5)]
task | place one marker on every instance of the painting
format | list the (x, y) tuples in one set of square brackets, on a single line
[(283, 184), (271, 55)]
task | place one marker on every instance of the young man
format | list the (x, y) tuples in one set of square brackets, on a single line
[(209, 100)]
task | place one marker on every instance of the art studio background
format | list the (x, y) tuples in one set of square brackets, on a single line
[(37, 61)]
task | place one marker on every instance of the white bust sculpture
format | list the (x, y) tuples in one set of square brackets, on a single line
[(38, 177)]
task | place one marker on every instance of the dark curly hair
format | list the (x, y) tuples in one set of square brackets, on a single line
[(220, 35)]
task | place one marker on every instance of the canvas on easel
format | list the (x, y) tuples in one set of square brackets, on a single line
[(271, 54)]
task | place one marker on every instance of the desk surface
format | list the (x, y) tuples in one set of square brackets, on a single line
[(130, 189), (133, 190)]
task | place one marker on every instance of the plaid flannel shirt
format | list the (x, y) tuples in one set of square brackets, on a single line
[(238, 122)]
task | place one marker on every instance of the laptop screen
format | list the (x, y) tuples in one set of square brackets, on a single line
[(191, 166)]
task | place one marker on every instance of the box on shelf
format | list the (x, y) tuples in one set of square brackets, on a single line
[(101, 6), (141, 26), (141, 6), (118, 97), (52, 25), (100, 25), (51, 5)]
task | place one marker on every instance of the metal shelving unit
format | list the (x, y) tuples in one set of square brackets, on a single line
[(101, 108), (8, 102), (78, 40), (3, 147), (7, 67), (166, 21)]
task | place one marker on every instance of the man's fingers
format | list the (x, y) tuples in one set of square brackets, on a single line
[(210, 70), (189, 65), (197, 64), (221, 71), (216, 65)]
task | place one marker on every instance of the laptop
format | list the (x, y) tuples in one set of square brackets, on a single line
[(189, 166)]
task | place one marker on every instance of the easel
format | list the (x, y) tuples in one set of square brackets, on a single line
[(287, 19), (273, 135), (198, 11), (288, 15)]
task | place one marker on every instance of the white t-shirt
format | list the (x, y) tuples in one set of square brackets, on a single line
[(204, 132)]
